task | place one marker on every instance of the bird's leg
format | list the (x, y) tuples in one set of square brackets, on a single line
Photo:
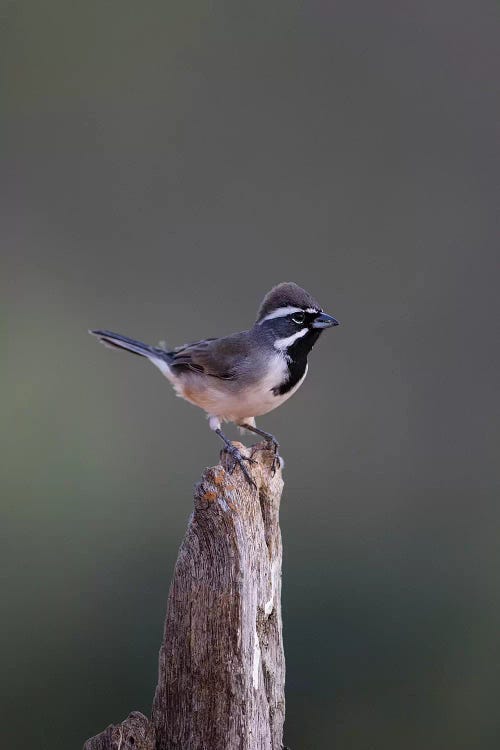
[(269, 438), (237, 457)]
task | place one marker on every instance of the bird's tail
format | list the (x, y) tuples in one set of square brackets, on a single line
[(158, 356)]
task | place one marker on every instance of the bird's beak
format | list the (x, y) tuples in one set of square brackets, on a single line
[(322, 320)]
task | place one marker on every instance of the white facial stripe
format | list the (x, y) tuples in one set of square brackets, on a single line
[(282, 344), (280, 313), (312, 310)]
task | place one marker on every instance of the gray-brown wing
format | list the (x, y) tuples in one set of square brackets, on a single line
[(218, 358)]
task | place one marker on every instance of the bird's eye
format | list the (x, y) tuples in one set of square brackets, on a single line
[(298, 317)]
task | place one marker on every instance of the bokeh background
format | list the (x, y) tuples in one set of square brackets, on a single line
[(164, 165)]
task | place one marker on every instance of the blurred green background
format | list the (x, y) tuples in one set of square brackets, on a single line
[(164, 164)]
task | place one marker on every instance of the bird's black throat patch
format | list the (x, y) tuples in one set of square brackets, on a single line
[(297, 361), (296, 369)]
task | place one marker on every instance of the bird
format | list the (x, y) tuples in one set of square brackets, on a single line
[(244, 375)]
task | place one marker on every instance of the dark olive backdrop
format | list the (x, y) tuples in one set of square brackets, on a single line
[(165, 164)]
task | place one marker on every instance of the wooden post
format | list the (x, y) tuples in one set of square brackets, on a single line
[(221, 667)]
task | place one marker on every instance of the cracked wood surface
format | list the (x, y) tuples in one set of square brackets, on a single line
[(221, 666)]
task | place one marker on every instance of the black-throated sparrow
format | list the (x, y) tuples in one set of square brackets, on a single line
[(247, 374)]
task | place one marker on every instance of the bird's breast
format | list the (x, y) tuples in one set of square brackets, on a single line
[(245, 396)]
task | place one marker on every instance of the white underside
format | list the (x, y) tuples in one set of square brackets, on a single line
[(221, 402)]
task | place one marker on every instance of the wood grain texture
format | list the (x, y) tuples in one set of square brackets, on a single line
[(135, 733), (221, 667)]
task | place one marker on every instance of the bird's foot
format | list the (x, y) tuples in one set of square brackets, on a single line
[(277, 460), (271, 444), (274, 446), (239, 458)]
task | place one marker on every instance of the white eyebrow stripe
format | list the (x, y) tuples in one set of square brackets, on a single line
[(312, 310), (280, 313), (282, 344)]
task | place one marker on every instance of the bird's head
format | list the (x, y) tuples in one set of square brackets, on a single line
[(293, 318)]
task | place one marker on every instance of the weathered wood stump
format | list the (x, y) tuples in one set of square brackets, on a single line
[(135, 733), (221, 667)]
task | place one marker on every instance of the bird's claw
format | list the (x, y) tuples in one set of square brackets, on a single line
[(239, 458), (276, 462), (275, 447)]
